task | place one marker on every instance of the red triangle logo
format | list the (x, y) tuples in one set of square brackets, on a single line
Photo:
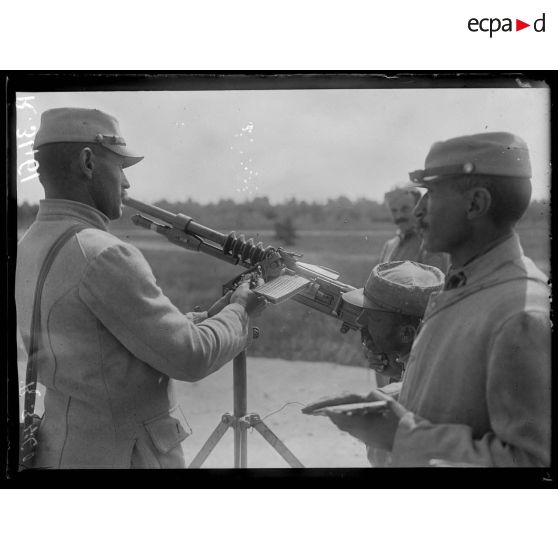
[(519, 25)]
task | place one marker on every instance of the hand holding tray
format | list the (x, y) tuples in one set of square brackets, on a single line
[(348, 403), (349, 409)]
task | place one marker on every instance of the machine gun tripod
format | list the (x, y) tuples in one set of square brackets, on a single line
[(240, 421)]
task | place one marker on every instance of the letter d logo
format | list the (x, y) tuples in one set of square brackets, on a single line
[(541, 22)]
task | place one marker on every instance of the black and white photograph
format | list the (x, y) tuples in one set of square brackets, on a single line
[(282, 271)]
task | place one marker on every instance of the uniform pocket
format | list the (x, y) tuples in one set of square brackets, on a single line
[(168, 430)]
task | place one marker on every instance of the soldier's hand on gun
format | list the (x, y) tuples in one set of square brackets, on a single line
[(252, 302), (217, 306)]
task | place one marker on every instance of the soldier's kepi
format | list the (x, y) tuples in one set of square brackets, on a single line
[(490, 154), (80, 125), (393, 301)]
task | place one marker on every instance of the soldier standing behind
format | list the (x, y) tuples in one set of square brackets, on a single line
[(408, 244)]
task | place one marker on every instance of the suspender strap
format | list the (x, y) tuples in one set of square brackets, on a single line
[(28, 443)]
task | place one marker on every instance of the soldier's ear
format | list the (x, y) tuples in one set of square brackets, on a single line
[(479, 201), (87, 162)]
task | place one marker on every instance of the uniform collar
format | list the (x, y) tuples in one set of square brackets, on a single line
[(491, 258), (53, 209)]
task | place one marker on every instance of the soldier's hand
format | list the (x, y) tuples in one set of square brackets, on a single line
[(375, 429), (376, 361), (384, 395), (253, 304), (383, 364), (217, 306), (332, 400)]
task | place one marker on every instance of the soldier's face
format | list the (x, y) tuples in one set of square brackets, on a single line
[(382, 330), (401, 209), (109, 183), (441, 216), (382, 342)]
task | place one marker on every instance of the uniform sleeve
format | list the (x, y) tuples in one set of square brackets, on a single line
[(197, 317), (118, 286), (518, 401)]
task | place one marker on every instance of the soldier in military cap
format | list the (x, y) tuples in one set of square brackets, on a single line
[(476, 390), (109, 342), (393, 301)]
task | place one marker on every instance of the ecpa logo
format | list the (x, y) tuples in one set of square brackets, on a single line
[(494, 24)]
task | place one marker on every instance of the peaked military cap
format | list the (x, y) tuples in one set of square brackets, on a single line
[(495, 153), (62, 125)]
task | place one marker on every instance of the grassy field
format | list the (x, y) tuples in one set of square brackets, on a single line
[(290, 330)]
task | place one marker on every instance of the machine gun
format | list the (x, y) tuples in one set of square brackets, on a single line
[(284, 274)]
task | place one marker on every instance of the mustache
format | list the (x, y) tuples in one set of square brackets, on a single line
[(401, 220)]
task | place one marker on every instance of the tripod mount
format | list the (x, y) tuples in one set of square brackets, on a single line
[(240, 421)]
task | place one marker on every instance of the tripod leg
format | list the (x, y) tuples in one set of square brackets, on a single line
[(240, 446), (211, 442), (239, 400), (274, 442)]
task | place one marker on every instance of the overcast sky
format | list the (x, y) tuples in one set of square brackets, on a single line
[(310, 144)]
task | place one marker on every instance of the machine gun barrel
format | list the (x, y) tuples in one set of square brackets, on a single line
[(185, 240), (324, 293), (177, 220), (183, 227)]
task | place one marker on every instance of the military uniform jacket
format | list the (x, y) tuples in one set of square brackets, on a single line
[(111, 345), (477, 384)]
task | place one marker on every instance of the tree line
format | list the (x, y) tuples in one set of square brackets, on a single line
[(334, 214)]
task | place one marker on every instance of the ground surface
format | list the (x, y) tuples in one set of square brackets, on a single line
[(272, 383)]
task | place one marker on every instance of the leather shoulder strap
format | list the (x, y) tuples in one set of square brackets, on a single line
[(29, 442)]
